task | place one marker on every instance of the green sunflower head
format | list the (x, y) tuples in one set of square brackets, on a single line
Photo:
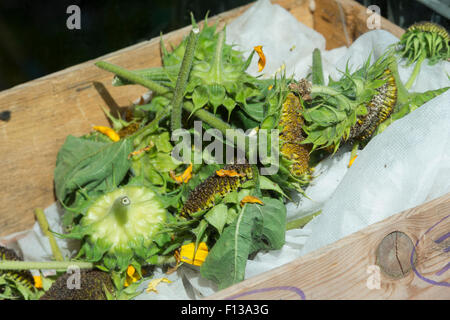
[(120, 227), (218, 76), (425, 39)]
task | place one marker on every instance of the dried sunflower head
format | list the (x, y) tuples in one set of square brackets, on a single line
[(216, 185), (352, 107)]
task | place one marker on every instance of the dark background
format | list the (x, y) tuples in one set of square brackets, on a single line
[(34, 39)]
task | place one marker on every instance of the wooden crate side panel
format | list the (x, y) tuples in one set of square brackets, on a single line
[(346, 269), (343, 21)]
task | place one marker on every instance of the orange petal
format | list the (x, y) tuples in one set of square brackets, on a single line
[(262, 58), (114, 136), (184, 177), (37, 282), (351, 161), (250, 199), (187, 253), (228, 173)]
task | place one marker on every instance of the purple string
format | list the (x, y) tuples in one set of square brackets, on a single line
[(443, 283)]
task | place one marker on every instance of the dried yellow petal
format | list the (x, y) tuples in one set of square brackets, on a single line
[(250, 199), (187, 253), (229, 173), (137, 152), (37, 282), (114, 136), (184, 177), (352, 160), (132, 276), (262, 58), (154, 283)]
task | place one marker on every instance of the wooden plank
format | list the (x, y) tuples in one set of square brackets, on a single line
[(343, 21), (347, 269)]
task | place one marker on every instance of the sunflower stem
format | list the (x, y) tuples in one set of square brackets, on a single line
[(208, 117), (415, 72), (43, 223), (132, 77), (182, 80), (317, 71), (56, 265)]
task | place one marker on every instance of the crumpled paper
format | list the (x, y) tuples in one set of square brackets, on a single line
[(408, 164)]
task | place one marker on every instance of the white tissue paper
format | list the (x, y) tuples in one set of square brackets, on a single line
[(406, 165)]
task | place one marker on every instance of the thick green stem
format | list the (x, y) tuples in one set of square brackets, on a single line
[(43, 223), (120, 209), (415, 72), (402, 92), (157, 74), (317, 71), (53, 265), (301, 222), (208, 117), (138, 136), (182, 80), (132, 77)]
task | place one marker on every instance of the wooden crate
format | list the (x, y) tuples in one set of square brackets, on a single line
[(46, 110)]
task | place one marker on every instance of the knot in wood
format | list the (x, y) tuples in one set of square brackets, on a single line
[(393, 254)]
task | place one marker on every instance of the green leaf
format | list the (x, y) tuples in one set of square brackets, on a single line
[(255, 110), (217, 216), (267, 184), (256, 227), (90, 165)]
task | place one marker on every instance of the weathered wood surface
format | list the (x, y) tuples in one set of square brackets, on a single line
[(343, 21), (348, 268)]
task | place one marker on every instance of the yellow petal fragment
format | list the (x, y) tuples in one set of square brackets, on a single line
[(137, 152), (228, 173), (132, 276), (262, 58), (187, 253), (250, 199), (37, 282), (114, 136), (352, 160), (154, 283), (184, 177)]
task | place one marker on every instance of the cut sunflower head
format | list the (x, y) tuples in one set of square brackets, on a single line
[(352, 107), (425, 39), (285, 113), (216, 185), (120, 226)]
